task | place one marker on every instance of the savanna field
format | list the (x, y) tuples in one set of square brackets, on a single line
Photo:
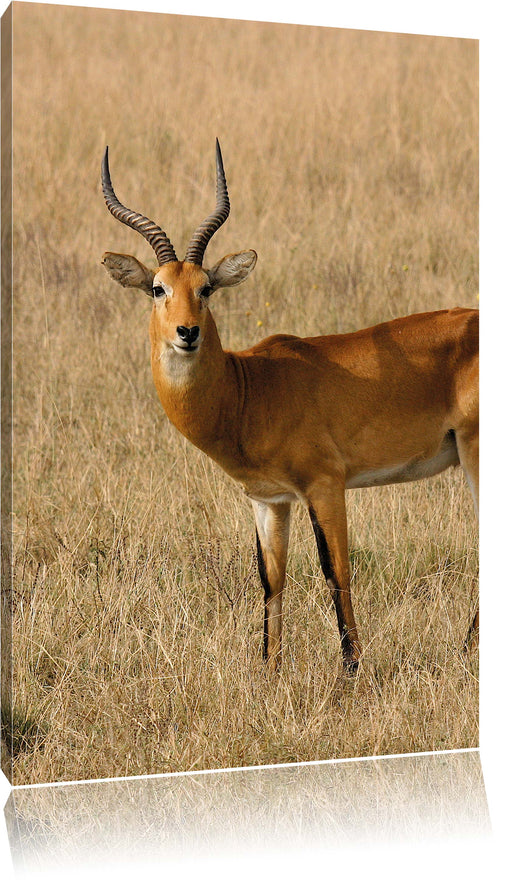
[(352, 167)]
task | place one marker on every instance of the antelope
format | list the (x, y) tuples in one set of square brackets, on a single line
[(303, 418)]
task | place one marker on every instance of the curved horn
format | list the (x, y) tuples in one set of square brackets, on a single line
[(205, 231), (156, 237)]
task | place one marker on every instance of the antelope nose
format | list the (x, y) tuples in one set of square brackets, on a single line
[(189, 335)]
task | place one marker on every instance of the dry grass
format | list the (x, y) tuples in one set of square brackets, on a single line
[(352, 166)]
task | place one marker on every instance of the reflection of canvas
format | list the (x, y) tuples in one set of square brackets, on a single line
[(286, 812), (136, 603)]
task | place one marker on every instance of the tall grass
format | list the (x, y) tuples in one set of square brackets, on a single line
[(352, 167)]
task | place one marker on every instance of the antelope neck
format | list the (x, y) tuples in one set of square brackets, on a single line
[(199, 392)]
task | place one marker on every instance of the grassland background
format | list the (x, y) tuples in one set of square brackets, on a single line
[(352, 167)]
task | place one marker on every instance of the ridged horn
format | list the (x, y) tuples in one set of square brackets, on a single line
[(205, 231), (156, 237)]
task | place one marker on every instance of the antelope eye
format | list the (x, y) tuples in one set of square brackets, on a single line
[(158, 291), (205, 291)]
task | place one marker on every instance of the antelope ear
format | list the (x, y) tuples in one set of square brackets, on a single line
[(232, 269), (128, 271)]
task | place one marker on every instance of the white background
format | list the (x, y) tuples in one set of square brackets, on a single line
[(489, 23)]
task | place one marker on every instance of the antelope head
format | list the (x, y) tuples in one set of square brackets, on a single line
[(181, 322)]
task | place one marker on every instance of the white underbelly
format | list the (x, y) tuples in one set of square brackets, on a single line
[(279, 490), (412, 470)]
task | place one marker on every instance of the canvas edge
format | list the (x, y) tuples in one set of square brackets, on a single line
[(6, 389)]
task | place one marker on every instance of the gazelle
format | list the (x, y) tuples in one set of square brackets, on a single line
[(303, 418)]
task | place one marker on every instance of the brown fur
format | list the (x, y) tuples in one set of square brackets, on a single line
[(305, 418)]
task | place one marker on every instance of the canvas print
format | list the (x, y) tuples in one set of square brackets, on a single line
[(240, 420)]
